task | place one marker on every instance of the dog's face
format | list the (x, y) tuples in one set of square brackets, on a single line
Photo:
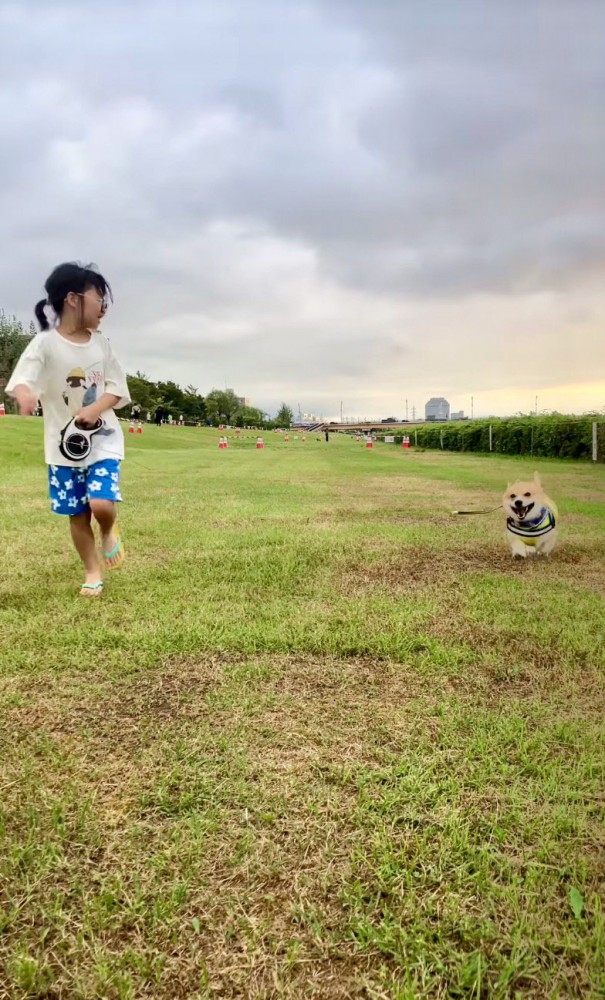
[(524, 500)]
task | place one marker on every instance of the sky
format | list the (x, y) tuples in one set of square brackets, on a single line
[(327, 201)]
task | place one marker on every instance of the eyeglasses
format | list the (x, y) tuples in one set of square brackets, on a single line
[(102, 298)]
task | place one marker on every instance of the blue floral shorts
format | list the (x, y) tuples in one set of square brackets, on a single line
[(70, 489)]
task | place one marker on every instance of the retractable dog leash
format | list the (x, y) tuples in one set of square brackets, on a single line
[(76, 441)]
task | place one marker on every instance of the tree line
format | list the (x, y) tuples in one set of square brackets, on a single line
[(219, 406)]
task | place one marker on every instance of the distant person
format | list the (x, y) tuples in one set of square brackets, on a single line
[(159, 416), (83, 440), (327, 435), (148, 417), (136, 413)]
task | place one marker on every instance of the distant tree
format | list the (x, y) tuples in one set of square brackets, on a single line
[(284, 417), (250, 416), (222, 406), (143, 391), (13, 341)]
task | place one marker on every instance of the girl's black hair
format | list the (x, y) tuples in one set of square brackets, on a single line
[(68, 278)]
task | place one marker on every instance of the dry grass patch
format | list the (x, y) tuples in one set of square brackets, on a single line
[(205, 779), (413, 568), (217, 827)]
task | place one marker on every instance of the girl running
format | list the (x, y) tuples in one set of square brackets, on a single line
[(71, 369)]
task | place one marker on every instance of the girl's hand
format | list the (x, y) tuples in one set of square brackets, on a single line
[(27, 401), (88, 416)]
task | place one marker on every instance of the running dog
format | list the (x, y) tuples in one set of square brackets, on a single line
[(531, 519)]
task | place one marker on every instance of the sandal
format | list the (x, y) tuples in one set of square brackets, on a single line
[(91, 589), (115, 558)]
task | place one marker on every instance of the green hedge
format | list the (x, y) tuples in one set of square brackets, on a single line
[(546, 437)]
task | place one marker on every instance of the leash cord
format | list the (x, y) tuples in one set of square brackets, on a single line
[(499, 507)]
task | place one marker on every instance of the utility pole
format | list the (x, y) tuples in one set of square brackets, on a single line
[(472, 407), (536, 406), (341, 411), (413, 412), (406, 410)]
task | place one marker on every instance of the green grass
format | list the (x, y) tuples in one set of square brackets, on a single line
[(319, 738)]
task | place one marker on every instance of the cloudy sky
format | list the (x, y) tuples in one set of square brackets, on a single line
[(319, 200)]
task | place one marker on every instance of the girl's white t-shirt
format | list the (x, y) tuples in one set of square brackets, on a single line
[(66, 376)]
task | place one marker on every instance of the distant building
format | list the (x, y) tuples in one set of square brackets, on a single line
[(458, 415), (437, 408)]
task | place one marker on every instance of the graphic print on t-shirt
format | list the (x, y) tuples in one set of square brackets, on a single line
[(76, 442), (76, 391), (81, 389)]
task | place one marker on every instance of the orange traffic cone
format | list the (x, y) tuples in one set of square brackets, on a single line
[(304, 439), (260, 443), (140, 428), (131, 428), (2, 410), (225, 442), (369, 443)]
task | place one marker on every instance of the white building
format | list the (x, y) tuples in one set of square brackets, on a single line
[(437, 408), (457, 415)]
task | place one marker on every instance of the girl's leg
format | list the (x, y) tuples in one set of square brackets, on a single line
[(105, 513), (84, 541)]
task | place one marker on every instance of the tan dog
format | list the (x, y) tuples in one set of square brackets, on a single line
[(530, 519)]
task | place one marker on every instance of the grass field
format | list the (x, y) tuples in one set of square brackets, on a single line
[(319, 738)]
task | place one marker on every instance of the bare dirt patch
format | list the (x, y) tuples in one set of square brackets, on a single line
[(413, 568)]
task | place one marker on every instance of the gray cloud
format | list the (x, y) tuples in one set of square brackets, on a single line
[(316, 198)]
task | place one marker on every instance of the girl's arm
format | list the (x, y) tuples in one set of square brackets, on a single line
[(26, 381), (115, 380), (89, 415), (26, 400)]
